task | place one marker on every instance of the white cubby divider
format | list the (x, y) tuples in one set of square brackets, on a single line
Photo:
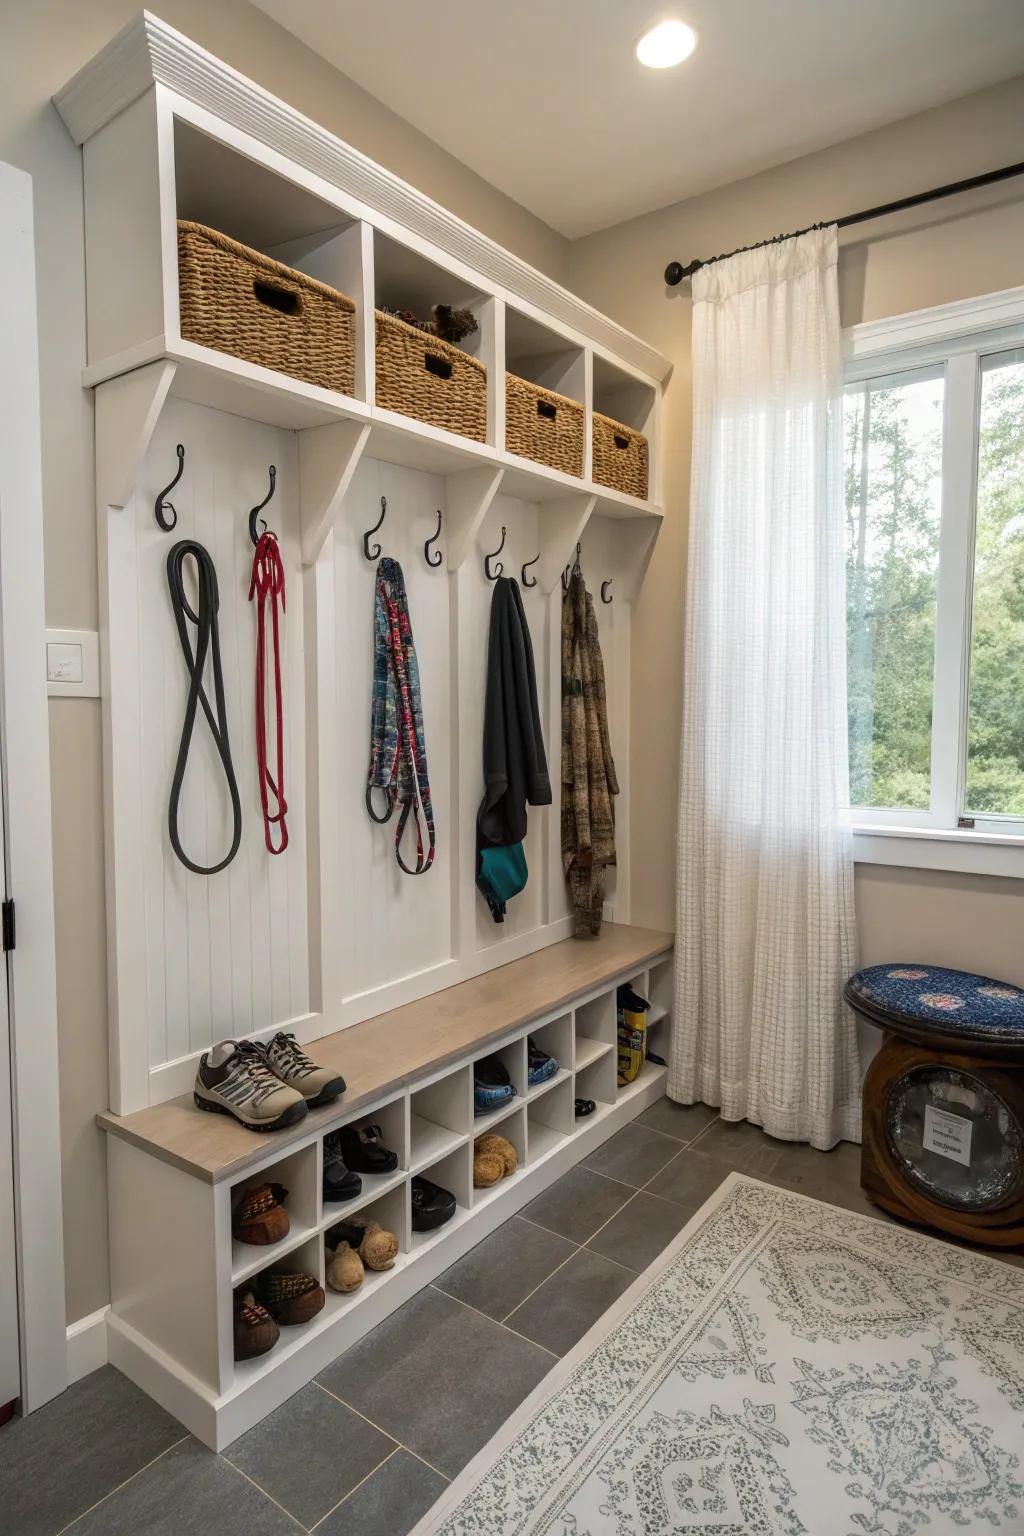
[(171, 1228)]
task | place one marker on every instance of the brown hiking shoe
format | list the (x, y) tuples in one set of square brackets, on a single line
[(255, 1329), (260, 1216), (289, 1298)]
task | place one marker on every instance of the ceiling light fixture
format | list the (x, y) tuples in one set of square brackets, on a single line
[(669, 43)]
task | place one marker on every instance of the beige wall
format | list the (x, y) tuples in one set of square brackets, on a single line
[(951, 250), (42, 45)]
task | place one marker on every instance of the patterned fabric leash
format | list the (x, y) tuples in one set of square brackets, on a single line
[(267, 586), (398, 753)]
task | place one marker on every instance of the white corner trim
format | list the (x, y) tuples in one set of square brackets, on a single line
[(87, 1344), (148, 52), (942, 323), (972, 853)]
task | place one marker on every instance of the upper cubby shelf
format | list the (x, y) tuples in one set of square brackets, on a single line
[(171, 133)]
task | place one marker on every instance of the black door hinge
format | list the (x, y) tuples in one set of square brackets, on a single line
[(7, 923)]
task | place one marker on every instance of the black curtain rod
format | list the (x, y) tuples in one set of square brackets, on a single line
[(675, 271)]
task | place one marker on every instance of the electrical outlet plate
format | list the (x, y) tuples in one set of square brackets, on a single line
[(73, 663)]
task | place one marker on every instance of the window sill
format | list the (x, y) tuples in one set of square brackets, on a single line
[(965, 852)]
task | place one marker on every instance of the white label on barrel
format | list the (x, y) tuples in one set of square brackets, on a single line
[(949, 1135)]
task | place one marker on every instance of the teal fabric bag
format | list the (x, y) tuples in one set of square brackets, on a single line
[(501, 874)]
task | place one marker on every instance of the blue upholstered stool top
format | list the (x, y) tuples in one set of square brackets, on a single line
[(931, 1003)]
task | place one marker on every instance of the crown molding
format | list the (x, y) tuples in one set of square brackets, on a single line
[(940, 326), (149, 52)]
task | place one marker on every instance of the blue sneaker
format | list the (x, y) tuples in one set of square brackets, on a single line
[(541, 1066), (492, 1085)]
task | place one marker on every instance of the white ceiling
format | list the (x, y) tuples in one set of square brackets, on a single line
[(545, 100)]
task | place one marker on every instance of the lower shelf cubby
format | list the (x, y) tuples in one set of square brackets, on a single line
[(555, 1040), (549, 1122), (453, 1173), (661, 987), (597, 1079), (391, 1213), (513, 1128), (440, 1118), (294, 1178), (648, 1076), (305, 1259), (512, 1056)]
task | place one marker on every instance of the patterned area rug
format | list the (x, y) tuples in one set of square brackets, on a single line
[(785, 1367)]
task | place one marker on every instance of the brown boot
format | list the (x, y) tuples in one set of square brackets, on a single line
[(288, 1297), (255, 1329), (260, 1216)]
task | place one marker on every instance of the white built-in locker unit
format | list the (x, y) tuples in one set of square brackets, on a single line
[(331, 933)]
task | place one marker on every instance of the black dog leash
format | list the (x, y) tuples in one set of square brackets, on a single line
[(207, 643)]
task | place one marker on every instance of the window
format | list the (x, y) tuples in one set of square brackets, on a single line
[(933, 440)]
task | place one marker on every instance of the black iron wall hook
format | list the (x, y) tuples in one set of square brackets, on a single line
[(254, 514), (604, 586), (493, 575), (572, 570), (162, 504), (374, 554), (433, 540), (525, 579)]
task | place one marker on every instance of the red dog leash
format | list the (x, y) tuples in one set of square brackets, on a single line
[(267, 585)]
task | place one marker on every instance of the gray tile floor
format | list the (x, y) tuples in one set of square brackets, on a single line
[(370, 1445)]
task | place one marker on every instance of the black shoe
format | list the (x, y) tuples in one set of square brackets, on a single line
[(340, 1183), (432, 1206), (362, 1149), (584, 1107), (491, 1072)]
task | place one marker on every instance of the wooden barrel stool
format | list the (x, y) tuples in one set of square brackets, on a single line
[(943, 1139)]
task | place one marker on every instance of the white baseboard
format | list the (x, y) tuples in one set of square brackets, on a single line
[(87, 1344)]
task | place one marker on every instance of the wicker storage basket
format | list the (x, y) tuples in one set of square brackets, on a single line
[(543, 426), (242, 302), (420, 375), (620, 457)]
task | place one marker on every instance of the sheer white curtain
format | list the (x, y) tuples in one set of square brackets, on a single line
[(765, 920)]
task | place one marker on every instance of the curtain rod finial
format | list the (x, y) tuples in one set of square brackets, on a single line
[(675, 272)]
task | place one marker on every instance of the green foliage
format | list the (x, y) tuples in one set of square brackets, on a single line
[(893, 461)]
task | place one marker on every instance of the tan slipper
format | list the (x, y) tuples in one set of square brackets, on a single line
[(502, 1147), (344, 1269), (488, 1169)]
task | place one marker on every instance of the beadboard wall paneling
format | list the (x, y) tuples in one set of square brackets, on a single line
[(225, 955), (392, 925)]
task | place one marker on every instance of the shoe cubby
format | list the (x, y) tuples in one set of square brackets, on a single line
[(555, 1039), (596, 1027), (550, 1120), (393, 1119), (661, 983), (513, 1128), (440, 1118), (306, 1259), (513, 1057), (391, 1211), (598, 1081), (455, 1174), (299, 1174)]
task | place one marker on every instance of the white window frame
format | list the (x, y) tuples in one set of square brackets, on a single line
[(957, 335)]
